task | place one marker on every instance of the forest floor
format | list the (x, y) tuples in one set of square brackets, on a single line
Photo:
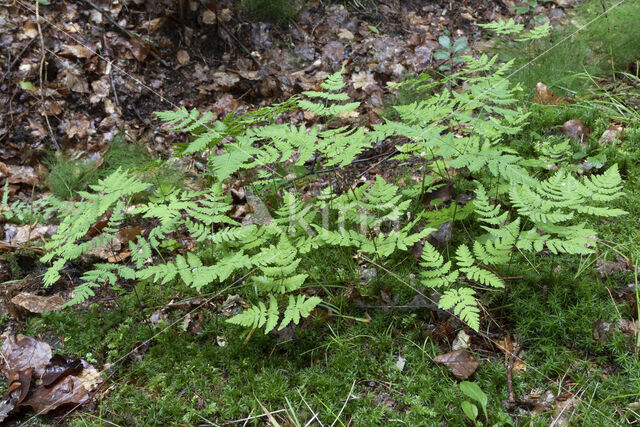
[(78, 89)]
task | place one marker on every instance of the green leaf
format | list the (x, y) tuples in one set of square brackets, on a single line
[(373, 29), (473, 391), (460, 45), (441, 55), (26, 85), (470, 410), (445, 42)]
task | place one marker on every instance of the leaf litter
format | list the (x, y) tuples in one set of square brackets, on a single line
[(40, 380)]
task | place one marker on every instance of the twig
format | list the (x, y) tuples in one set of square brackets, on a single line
[(42, 58), (247, 51), (511, 359), (108, 57)]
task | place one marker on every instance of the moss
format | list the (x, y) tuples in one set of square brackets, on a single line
[(68, 176)]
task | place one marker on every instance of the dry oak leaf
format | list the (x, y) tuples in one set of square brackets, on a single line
[(461, 363)]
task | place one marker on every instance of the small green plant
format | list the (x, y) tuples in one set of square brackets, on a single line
[(450, 52), (473, 391), (530, 7)]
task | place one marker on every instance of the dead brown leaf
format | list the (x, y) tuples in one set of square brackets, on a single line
[(576, 129), (75, 51), (68, 391), (545, 96), (606, 268), (18, 174), (37, 304), (22, 352), (59, 367), (461, 363)]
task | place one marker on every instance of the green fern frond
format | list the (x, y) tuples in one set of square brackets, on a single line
[(258, 316), (539, 32), (464, 305), (436, 273), (298, 308), (488, 213), (503, 27)]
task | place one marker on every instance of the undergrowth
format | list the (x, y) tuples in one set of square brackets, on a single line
[(300, 266)]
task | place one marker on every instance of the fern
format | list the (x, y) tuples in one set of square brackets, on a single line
[(259, 316), (503, 27), (464, 305), (299, 307), (437, 273), (459, 131)]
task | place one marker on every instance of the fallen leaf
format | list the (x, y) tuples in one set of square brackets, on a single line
[(461, 363), (58, 367), (68, 391), (601, 330), (22, 352), (18, 174), (183, 57), (90, 377), (545, 96), (462, 341), (75, 51), (576, 129), (628, 326), (27, 233), (37, 304), (209, 17), (606, 268), (20, 381), (563, 411), (363, 80), (442, 235), (345, 34), (611, 135)]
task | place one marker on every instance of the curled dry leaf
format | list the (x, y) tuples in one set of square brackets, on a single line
[(76, 51), (462, 341), (461, 363), (65, 381), (18, 174), (60, 366), (545, 96)]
